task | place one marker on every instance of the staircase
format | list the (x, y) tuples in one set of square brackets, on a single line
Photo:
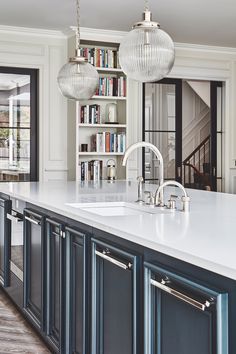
[(196, 167)]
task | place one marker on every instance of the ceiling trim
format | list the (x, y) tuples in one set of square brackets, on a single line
[(116, 36), (100, 35), (31, 31), (103, 35), (205, 48)]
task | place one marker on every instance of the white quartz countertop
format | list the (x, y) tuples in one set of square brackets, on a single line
[(205, 237)]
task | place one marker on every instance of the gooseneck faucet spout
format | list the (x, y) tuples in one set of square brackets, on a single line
[(152, 147), (185, 198)]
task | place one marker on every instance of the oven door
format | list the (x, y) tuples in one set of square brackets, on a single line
[(16, 246)]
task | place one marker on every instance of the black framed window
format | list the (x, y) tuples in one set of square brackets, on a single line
[(18, 124)]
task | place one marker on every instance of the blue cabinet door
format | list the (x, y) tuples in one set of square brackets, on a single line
[(55, 319), (115, 300), (34, 267), (183, 317), (77, 292)]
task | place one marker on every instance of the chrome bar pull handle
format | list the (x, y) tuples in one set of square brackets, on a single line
[(14, 218), (33, 221), (161, 285), (105, 256)]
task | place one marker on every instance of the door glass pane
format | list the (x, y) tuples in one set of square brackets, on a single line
[(219, 140), (14, 127), (159, 107), (165, 142), (219, 109), (160, 129)]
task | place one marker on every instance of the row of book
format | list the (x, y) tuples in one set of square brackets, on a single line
[(91, 170), (101, 58), (90, 114), (112, 86), (108, 142)]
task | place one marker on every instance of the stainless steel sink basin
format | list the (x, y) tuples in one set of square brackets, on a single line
[(116, 208)]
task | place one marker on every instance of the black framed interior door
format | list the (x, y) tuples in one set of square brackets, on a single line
[(162, 126), (216, 165), (18, 124), (188, 131)]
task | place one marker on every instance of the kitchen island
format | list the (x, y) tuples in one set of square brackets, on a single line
[(146, 281)]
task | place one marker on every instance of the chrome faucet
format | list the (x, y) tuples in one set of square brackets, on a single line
[(157, 153), (185, 198)]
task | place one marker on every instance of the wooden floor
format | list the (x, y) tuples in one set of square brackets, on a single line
[(16, 336)]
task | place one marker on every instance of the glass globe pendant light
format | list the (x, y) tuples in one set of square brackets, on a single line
[(146, 53), (78, 80)]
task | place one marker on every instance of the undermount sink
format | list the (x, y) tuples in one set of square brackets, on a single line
[(116, 208)]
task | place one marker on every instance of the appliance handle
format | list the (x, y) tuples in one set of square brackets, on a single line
[(14, 218), (33, 221), (161, 285), (104, 255)]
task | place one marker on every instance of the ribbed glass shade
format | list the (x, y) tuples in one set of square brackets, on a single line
[(147, 55), (78, 81)]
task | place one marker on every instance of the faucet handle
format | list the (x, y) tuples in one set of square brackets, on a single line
[(172, 202), (186, 203), (150, 198)]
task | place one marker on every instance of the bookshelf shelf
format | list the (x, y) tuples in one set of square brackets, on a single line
[(117, 126), (101, 153), (109, 70), (118, 98)]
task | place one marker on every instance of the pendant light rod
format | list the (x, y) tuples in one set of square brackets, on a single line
[(146, 7), (78, 26)]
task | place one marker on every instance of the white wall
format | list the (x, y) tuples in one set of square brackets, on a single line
[(46, 51)]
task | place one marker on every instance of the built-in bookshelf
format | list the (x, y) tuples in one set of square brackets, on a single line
[(99, 140)]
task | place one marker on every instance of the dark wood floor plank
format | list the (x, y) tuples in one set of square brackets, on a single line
[(16, 336)]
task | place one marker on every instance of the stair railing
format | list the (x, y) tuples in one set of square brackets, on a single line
[(196, 160)]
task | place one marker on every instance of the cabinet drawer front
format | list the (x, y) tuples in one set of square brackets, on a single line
[(182, 316), (115, 300)]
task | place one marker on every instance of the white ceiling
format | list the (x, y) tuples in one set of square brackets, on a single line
[(210, 22)]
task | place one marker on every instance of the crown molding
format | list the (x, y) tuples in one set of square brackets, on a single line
[(205, 48), (103, 35), (100, 35), (28, 31)]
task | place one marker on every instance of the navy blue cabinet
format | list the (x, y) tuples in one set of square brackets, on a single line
[(55, 284), (34, 267), (90, 292), (116, 303), (5, 206), (183, 317), (78, 294)]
